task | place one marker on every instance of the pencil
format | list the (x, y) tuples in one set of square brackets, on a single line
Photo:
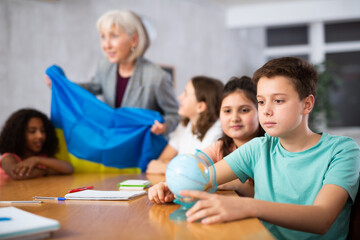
[(19, 202), (51, 198)]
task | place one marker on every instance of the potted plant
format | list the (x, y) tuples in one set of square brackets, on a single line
[(323, 111)]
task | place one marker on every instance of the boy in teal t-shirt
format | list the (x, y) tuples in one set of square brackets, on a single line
[(297, 177), (305, 183)]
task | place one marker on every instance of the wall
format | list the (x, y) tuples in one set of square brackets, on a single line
[(273, 13), (190, 36)]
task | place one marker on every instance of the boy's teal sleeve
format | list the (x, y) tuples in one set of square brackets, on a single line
[(242, 161), (344, 167)]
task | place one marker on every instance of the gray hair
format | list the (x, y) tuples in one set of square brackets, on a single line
[(131, 24)]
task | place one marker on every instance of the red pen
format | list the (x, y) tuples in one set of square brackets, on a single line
[(80, 189)]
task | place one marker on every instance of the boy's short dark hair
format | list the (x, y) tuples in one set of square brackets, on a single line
[(300, 72)]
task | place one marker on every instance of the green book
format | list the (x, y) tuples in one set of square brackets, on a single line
[(133, 184)]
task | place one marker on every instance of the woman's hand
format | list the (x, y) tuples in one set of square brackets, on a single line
[(160, 193), (47, 80), (156, 167), (25, 167), (158, 128), (214, 208)]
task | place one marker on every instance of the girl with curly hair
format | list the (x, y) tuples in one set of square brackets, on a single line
[(28, 144)]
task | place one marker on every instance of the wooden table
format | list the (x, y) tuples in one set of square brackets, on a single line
[(135, 219)]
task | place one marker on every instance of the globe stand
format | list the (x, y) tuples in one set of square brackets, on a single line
[(180, 214)]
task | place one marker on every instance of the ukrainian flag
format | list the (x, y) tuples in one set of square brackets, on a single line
[(97, 138)]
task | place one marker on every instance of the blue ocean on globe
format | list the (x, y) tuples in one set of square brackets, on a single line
[(190, 172)]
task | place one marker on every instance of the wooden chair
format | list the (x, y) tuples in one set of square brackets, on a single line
[(354, 228)]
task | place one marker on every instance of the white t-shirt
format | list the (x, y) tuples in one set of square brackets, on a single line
[(184, 141)]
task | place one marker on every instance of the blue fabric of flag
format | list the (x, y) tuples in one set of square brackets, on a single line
[(96, 132)]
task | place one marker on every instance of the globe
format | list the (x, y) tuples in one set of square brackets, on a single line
[(189, 172)]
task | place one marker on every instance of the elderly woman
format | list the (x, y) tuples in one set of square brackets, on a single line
[(125, 78)]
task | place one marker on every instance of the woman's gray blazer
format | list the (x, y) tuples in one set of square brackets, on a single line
[(149, 87)]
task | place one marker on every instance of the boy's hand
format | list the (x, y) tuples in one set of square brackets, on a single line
[(25, 167), (214, 208), (160, 193)]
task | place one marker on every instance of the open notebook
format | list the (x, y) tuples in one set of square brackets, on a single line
[(104, 195), (24, 225)]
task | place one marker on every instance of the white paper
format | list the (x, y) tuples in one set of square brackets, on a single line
[(23, 223), (104, 195)]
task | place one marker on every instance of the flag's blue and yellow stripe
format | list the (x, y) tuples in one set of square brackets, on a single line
[(97, 138)]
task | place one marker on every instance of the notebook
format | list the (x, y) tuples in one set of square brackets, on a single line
[(104, 195), (133, 184), (20, 224)]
